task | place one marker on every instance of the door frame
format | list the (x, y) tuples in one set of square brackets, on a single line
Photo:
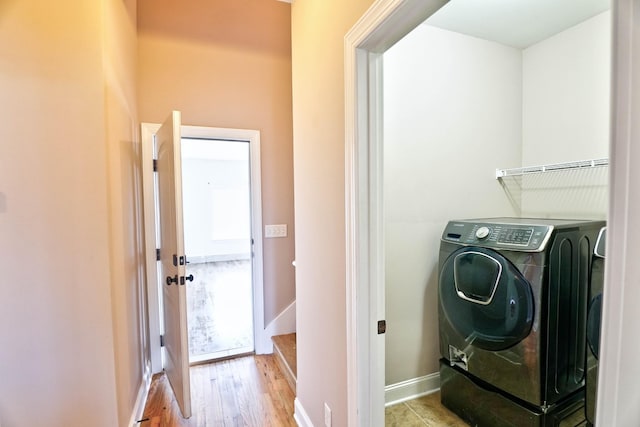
[(380, 27), (148, 130), (618, 388), (386, 22)]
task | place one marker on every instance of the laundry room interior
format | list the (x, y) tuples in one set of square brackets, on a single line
[(461, 106)]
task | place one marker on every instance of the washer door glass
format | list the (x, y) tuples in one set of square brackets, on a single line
[(485, 298)]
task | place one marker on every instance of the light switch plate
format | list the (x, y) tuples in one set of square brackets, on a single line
[(275, 230)]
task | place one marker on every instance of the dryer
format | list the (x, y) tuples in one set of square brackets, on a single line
[(593, 325), (512, 319)]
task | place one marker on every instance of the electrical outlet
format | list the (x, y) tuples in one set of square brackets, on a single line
[(275, 230), (327, 415)]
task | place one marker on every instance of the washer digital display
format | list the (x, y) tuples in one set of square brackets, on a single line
[(515, 236)]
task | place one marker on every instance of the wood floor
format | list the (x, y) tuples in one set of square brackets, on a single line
[(252, 391), (284, 350), (248, 391)]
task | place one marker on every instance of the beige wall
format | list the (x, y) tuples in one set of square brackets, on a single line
[(65, 355), (126, 247), (318, 30), (227, 63)]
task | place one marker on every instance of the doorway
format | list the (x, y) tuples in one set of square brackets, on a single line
[(382, 26), (385, 23), (251, 261), (459, 102), (216, 196)]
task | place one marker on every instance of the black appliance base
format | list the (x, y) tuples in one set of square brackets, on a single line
[(481, 406)]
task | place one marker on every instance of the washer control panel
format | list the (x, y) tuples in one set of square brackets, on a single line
[(522, 237)]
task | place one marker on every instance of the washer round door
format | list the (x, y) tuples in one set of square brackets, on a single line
[(485, 298)]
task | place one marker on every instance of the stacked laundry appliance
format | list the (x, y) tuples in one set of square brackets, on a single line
[(512, 319)]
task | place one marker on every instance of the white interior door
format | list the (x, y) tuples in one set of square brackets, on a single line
[(173, 260)]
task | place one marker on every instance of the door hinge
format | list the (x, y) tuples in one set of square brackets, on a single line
[(161, 340), (158, 254), (382, 326), (155, 165)]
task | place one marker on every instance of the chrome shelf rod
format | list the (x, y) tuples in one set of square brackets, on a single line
[(581, 164)]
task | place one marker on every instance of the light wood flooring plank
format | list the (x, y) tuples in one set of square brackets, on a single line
[(244, 392)]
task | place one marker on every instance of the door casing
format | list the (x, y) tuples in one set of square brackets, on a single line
[(148, 130), (380, 27)]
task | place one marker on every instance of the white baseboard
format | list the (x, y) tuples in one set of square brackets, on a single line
[(411, 389), (285, 323), (141, 399), (300, 415)]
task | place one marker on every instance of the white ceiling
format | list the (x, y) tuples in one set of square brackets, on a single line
[(517, 23)]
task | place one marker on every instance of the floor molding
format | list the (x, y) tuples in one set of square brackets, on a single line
[(141, 400), (300, 415), (411, 389)]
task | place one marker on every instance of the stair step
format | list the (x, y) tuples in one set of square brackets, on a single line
[(284, 348)]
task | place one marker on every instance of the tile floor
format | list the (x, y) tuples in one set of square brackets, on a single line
[(428, 411), (220, 309), (424, 411)]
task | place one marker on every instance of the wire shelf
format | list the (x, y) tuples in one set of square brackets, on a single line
[(581, 164)]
